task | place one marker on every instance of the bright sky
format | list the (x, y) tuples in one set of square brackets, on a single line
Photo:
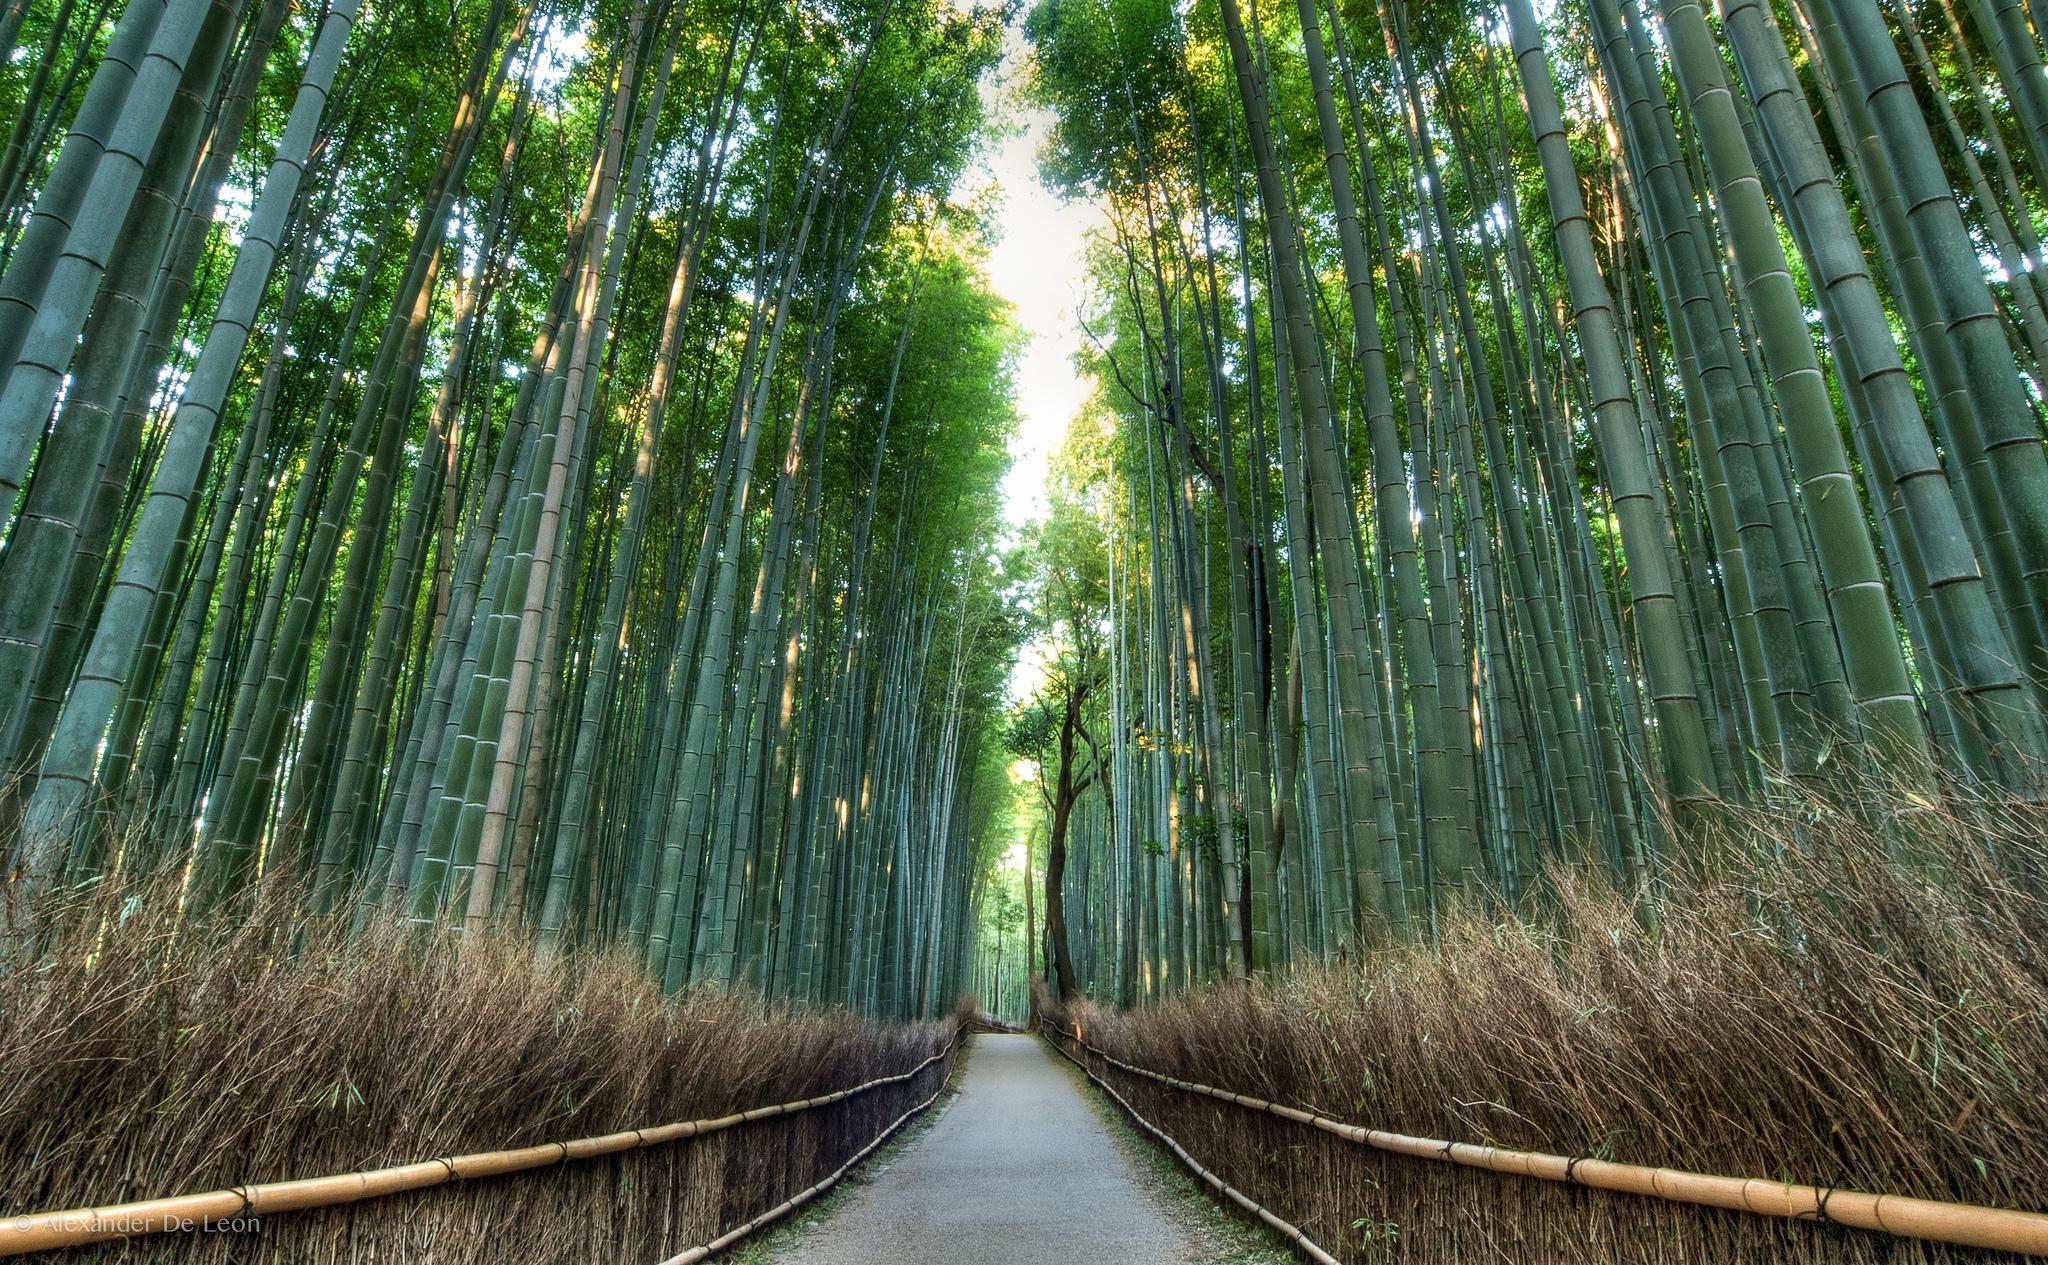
[(1036, 265)]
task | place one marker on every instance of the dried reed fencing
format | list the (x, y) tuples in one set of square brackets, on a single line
[(42, 1232), (142, 1055), (1965, 1225), (1823, 1022)]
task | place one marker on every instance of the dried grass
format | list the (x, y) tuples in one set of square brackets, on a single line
[(1818, 1013), (143, 1054)]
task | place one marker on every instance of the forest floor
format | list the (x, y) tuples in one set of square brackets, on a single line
[(1020, 1168)]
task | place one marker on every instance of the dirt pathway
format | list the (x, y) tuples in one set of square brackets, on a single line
[(1018, 1170)]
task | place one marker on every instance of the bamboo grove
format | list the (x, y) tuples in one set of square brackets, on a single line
[(509, 462), (1523, 434)]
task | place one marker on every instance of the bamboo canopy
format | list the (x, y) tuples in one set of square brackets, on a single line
[(509, 466)]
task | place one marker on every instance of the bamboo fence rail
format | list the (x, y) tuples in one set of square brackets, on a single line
[(1286, 1229), (46, 1231), (1966, 1225)]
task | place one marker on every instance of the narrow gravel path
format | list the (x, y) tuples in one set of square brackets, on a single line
[(1017, 1171)]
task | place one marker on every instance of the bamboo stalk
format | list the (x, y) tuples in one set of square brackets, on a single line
[(42, 1232), (1968, 1225)]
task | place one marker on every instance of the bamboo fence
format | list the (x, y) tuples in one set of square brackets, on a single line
[(47, 1231), (1965, 1225)]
